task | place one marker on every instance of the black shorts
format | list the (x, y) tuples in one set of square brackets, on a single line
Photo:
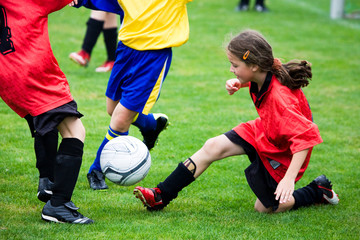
[(259, 179), (49, 120)]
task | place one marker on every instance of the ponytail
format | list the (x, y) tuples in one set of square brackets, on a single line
[(294, 74)]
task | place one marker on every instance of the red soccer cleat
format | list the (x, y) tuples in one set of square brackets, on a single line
[(105, 67), (81, 57), (150, 197)]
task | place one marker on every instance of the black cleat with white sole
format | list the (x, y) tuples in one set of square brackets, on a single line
[(66, 213), (325, 185), (45, 189)]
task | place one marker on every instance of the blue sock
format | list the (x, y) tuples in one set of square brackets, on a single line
[(145, 122), (110, 135)]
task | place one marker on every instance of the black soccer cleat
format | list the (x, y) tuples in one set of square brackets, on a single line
[(44, 191), (150, 137), (97, 180), (324, 184), (66, 213)]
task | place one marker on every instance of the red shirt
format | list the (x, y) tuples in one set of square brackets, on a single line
[(284, 126), (31, 81)]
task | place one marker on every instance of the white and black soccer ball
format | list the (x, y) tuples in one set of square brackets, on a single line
[(125, 160)]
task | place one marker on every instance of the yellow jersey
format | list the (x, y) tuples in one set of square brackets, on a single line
[(154, 24)]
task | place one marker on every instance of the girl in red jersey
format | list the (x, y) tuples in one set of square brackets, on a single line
[(33, 85), (278, 143)]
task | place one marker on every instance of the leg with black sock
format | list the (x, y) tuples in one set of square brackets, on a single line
[(66, 171), (60, 208), (307, 196), (45, 150), (318, 191), (214, 149), (159, 197), (175, 182), (93, 30), (110, 39)]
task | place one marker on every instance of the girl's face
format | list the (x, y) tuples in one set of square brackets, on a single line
[(243, 72)]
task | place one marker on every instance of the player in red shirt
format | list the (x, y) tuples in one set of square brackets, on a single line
[(33, 85), (278, 143)]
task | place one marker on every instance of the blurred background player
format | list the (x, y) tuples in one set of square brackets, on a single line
[(259, 6), (142, 62), (40, 92), (98, 22)]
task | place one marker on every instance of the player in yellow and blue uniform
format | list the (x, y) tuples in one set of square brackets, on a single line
[(149, 29)]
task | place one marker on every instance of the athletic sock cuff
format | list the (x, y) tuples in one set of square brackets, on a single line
[(71, 146), (95, 23)]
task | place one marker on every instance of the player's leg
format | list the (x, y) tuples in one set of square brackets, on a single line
[(45, 151), (260, 6), (243, 5), (121, 119), (214, 149), (94, 27), (67, 162), (318, 191), (259, 207), (151, 125), (110, 39)]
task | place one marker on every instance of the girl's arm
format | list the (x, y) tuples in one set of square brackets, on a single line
[(233, 85), (285, 188)]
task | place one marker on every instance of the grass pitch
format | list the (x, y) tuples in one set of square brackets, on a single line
[(219, 204)]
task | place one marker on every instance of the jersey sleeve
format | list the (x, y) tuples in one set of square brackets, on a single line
[(300, 132)]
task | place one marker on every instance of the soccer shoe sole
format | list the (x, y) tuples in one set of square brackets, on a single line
[(55, 220), (138, 194), (333, 200)]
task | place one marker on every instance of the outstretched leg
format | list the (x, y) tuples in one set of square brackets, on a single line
[(214, 149)]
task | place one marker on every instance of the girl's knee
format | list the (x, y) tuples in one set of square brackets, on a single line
[(211, 146), (259, 207)]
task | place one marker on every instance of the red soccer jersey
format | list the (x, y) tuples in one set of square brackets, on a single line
[(31, 81), (284, 127)]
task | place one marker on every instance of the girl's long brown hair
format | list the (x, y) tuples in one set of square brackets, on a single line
[(252, 48)]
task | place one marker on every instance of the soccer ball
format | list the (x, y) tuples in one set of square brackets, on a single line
[(125, 160)]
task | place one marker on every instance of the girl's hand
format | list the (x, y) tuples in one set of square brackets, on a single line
[(285, 190), (73, 3), (232, 85)]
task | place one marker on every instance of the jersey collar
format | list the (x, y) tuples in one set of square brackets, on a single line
[(258, 96)]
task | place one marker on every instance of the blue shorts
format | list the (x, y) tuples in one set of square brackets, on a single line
[(137, 77)]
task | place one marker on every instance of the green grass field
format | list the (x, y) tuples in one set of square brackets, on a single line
[(219, 204)]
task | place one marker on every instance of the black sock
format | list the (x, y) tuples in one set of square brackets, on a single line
[(175, 182), (243, 2), (93, 30), (110, 39), (45, 151), (260, 2), (307, 196), (66, 171)]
